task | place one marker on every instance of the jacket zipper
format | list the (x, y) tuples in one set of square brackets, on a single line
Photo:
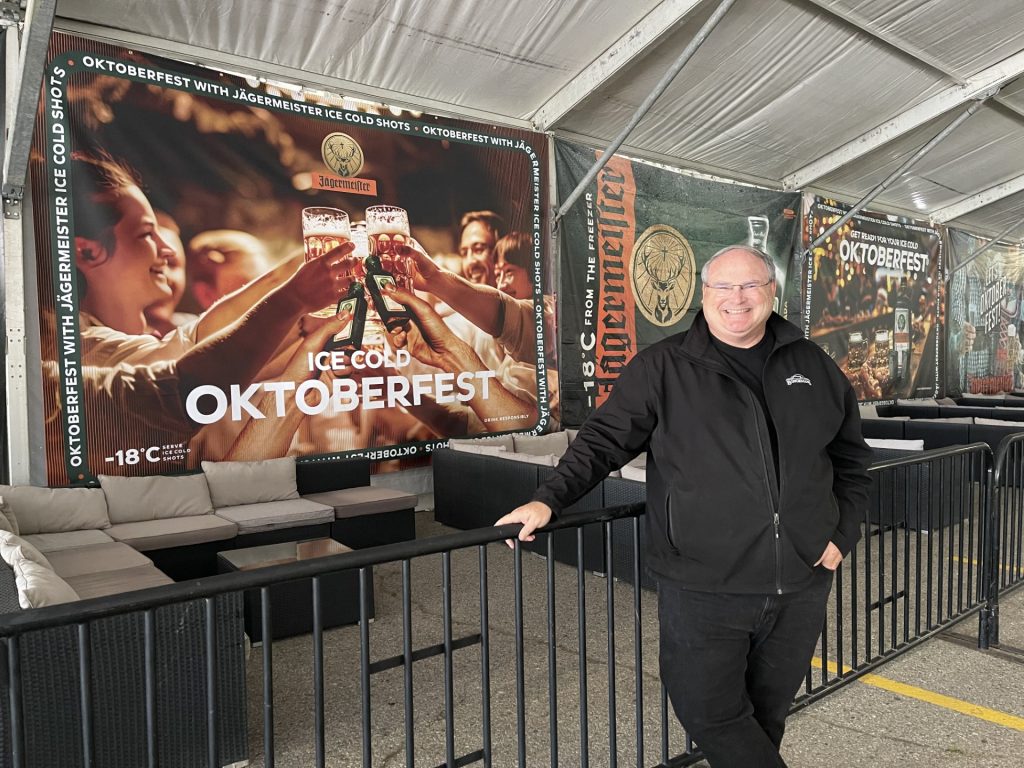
[(771, 508)]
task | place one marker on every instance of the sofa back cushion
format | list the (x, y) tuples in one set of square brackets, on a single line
[(553, 444), (504, 441), (8, 522), (484, 449), (53, 510), (137, 499), (39, 586), (250, 482)]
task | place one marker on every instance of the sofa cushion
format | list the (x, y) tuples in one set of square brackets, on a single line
[(553, 444), (13, 547), (39, 586), (634, 473), (572, 434), (250, 482), (497, 440), (368, 500), (999, 423), (51, 510), (134, 499), (271, 515), (481, 449), (54, 542), (8, 521), (895, 445), (79, 561), (103, 583), (173, 532), (547, 460)]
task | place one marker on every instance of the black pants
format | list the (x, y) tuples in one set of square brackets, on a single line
[(733, 663)]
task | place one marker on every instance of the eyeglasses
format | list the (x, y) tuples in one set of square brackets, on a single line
[(750, 287)]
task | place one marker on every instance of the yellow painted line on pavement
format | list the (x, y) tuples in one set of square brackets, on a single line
[(948, 702)]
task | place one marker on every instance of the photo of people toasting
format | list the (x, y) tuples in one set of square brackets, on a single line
[(408, 303)]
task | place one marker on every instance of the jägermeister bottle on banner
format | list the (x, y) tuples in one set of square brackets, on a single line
[(392, 312), (901, 337), (350, 337)]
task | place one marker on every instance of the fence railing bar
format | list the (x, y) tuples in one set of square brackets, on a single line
[(267, 633), (581, 622), (365, 584), (406, 662), (319, 718), (638, 656), (210, 633), (613, 751), (85, 692), (485, 659), (552, 668), (449, 662), (14, 701), (517, 578)]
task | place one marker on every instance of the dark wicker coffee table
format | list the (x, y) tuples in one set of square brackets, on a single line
[(291, 602)]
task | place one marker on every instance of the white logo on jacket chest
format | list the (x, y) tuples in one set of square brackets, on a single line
[(798, 378)]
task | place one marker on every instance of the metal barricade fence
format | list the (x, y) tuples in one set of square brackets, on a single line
[(469, 660), (1006, 565)]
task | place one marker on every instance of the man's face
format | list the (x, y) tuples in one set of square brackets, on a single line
[(477, 251), (736, 316)]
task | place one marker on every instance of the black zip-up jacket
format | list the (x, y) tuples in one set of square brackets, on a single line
[(717, 518)]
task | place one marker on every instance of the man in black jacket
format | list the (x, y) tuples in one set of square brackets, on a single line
[(756, 486)]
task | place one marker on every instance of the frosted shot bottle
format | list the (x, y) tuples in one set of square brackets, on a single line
[(392, 313), (350, 338)]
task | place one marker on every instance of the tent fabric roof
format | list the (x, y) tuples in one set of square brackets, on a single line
[(829, 95)]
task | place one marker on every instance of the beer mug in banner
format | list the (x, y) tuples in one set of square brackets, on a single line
[(857, 351), (881, 358), (387, 228), (324, 229)]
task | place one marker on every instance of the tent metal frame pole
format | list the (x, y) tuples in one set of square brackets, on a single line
[(645, 107), (24, 65), (881, 187), (1016, 225), (20, 117)]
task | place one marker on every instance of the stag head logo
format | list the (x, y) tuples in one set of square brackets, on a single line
[(342, 154), (662, 269)]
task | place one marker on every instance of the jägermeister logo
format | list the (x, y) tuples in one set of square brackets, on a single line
[(663, 272), (342, 154)]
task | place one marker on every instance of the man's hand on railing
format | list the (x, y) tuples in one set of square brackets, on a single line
[(533, 515)]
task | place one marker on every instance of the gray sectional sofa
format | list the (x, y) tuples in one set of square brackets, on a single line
[(59, 545)]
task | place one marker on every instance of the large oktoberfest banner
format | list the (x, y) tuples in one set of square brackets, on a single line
[(230, 268), (985, 294), (632, 250), (873, 290)]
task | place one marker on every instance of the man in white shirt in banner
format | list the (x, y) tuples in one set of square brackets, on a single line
[(756, 488)]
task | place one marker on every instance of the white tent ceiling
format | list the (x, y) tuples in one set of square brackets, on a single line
[(823, 94)]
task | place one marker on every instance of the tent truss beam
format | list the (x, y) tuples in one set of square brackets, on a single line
[(979, 200), (665, 17), (979, 86), (222, 61), (23, 100)]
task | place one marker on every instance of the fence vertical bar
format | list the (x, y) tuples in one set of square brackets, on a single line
[(449, 679), (581, 607), (14, 701), (267, 633), (149, 660), (638, 659), (517, 576), (319, 721), (211, 682), (410, 746), (610, 601), (85, 692), (906, 555), (485, 659), (552, 669), (365, 582)]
